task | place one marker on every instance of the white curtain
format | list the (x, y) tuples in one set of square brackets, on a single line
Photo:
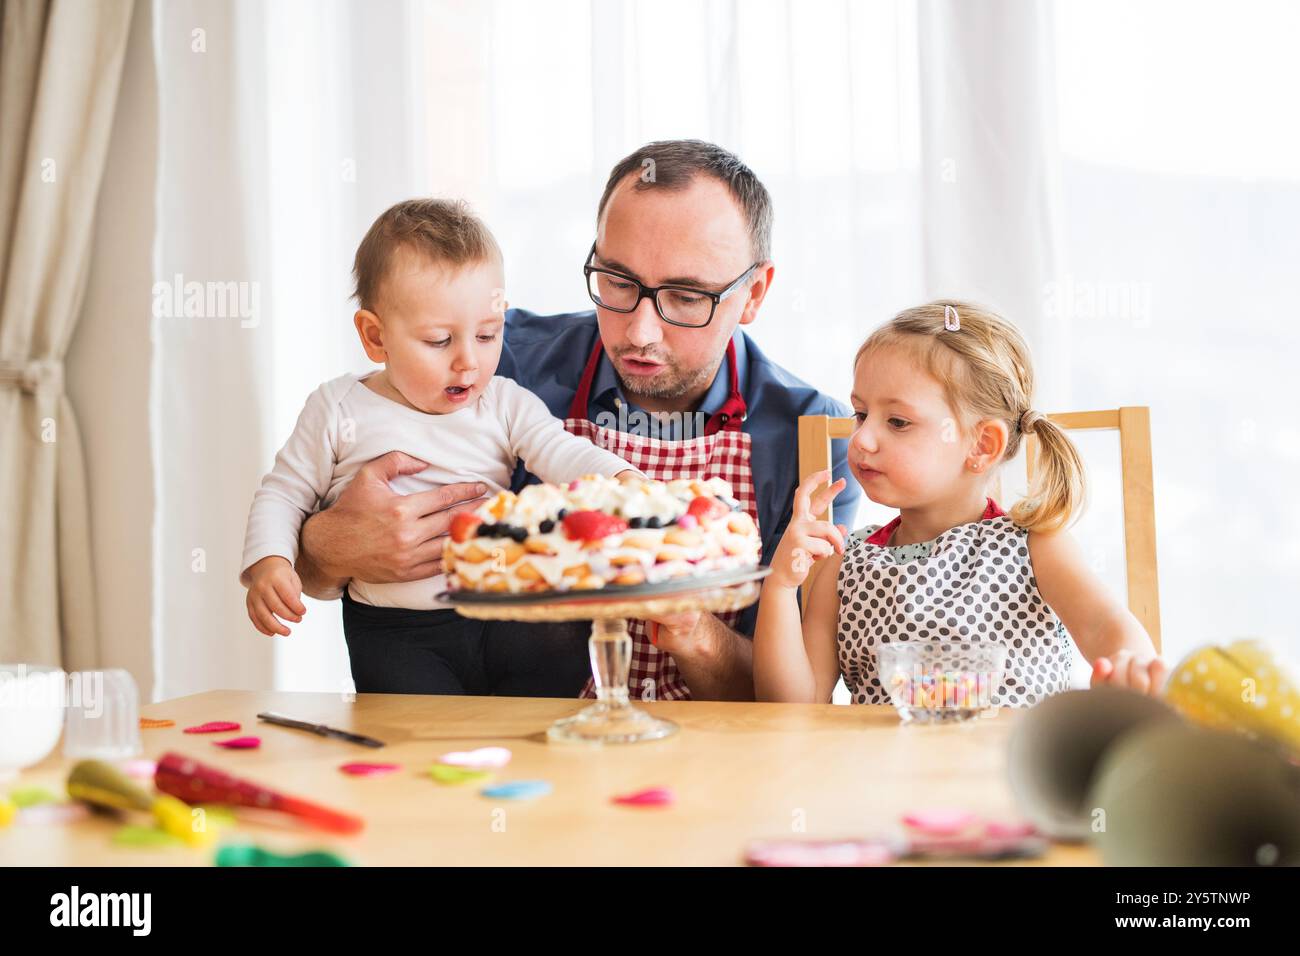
[(284, 129), (913, 148)]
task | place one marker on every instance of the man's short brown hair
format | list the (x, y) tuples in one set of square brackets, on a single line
[(673, 163), (444, 230)]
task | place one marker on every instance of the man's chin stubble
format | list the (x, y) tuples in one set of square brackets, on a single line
[(670, 387)]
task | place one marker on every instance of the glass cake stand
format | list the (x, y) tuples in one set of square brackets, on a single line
[(613, 719)]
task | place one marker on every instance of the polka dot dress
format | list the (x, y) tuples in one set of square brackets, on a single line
[(971, 584)]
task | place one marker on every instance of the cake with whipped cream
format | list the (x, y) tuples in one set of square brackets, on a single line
[(598, 531)]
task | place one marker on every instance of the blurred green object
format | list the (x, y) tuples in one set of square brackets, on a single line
[(31, 797), (133, 836), (1172, 794), (252, 855)]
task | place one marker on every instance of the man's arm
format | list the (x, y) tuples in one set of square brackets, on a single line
[(716, 662), (377, 535)]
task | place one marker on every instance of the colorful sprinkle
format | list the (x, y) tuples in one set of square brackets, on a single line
[(154, 723), (240, 743)]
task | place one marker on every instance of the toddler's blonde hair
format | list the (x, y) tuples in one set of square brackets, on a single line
[(986, 373), (446, 231)]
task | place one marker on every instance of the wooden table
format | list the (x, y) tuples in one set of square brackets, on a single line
[(740, 771)]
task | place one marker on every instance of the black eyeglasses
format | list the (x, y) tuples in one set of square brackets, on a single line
[(676, 304)]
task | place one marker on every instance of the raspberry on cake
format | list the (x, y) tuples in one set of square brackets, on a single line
[(600, 531)]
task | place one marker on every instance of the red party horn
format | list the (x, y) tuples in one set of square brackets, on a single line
[(194, 782)]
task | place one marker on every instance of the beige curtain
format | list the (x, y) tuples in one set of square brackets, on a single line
[(60, 64)]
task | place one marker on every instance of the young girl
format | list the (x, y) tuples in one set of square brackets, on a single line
[(942, 398)]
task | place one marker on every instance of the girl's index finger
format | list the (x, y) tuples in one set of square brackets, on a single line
[(823, 498), (802, 494)]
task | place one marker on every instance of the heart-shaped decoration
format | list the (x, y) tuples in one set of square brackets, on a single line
[(369, 769), (485, 758), (451, 775), (650, 797), (517, 790), (213, 727)]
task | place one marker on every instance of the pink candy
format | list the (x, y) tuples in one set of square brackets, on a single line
[(240, 743)]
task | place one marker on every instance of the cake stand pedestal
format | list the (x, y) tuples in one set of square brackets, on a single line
[(612, 719)]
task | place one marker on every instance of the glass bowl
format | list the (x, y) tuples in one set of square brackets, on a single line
[(940, 682), (31, 715)]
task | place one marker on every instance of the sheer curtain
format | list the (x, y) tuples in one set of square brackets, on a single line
[(913, 148), (284, 129), (1181, 187)]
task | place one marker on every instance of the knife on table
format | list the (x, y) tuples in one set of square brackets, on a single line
[(325, 731)]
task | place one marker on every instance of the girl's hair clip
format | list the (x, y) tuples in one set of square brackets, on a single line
[(951, 321)]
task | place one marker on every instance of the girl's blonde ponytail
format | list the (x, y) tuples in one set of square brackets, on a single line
[(1057, 491)]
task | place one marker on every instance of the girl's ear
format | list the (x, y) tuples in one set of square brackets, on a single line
[(991, 437), (371, 331)]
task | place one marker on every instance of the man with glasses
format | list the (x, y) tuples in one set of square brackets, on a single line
[(661, 374)]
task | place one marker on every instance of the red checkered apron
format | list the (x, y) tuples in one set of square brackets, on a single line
[(722, 451)]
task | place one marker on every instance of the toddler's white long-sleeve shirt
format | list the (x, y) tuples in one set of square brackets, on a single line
[(345, 424)]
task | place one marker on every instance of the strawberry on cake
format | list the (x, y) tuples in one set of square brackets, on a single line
[(600, 531)]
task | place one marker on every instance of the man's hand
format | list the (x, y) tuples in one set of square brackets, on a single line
[(676, 634), (377, 535), (715, 662)]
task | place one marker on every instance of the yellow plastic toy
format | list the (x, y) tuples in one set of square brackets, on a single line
[(104, 785), (1243, 687)]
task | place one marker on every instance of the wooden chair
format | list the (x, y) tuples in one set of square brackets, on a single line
[(1134, 426)]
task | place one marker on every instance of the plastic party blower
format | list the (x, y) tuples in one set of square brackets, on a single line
[(102, 784), (1242, 687), (195, 782)]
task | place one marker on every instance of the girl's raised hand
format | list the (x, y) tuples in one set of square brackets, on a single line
[(1141, 673), (806, 538)]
